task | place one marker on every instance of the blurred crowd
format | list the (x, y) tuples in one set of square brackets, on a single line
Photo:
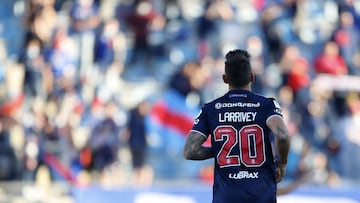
[(76, 93)]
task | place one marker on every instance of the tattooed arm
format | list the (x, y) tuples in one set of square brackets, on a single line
[(282, 143), (193, 149)]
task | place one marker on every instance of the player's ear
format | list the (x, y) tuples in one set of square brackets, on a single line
[(252, 77), (225, 79)]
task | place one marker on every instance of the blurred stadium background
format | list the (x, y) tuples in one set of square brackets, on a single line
[(85, 84)]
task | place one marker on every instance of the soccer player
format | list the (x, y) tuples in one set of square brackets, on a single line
[(240, 123)]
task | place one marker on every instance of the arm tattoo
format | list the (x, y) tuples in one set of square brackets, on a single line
[(282, 143), (193, 149), (281, 132)]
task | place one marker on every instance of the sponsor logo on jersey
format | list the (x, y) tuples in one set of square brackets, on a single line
[(237, 117), (236, 104), (276, 104), (244, 175), (196, 121), (277, 107)]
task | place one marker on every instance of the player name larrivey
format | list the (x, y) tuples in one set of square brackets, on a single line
[(243, 174), (237, 117)]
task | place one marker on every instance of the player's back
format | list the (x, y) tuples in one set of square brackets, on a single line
[(244, 164)]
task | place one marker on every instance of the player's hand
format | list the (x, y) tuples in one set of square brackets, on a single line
[(280, 170)]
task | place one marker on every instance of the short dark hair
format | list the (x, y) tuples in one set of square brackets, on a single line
[(238, 67)]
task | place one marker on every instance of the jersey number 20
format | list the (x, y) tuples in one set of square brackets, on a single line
[(249, 139)]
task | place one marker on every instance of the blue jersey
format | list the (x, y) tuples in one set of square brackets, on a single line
[(241, 142)]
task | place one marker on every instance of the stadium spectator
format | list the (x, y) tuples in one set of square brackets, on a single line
[(275, 20), (40, 21), (330, 61), (104, 140), (84, 15), (136, 136), (141, 22), (35, 65), (347, 137), (8, 162), (182, 81), (207, 29), (110, 45), (347, 38)]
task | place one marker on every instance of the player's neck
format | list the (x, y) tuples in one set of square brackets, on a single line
[(246, 87)]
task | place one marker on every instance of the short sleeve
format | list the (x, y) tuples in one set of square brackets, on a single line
[(274, 108)]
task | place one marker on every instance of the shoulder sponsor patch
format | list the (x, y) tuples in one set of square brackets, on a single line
[(277, 107)]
